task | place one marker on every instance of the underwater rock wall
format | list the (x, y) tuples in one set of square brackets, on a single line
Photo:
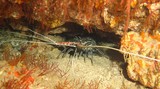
[(142, 17), (108, 15), (144, 65)]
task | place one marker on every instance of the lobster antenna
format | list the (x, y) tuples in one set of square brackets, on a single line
[(2, 42), (31, 37), (26, 35), (130, 53), (43, 36)]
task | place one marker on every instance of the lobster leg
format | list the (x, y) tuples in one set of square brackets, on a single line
[(90, 54), (67, 52), (102, 53), (84, 56), (80, 54), (64, 50)]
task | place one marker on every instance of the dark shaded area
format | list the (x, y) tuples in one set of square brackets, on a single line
[(75, 30)]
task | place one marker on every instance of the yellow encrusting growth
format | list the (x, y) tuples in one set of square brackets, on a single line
[(141, 69)]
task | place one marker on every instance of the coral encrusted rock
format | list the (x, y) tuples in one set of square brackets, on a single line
[(144, 57)]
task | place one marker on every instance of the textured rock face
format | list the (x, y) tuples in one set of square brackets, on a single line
[(142, 17), (106, 15), (140, 68)]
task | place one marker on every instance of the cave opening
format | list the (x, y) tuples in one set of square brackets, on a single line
[(68, 31)]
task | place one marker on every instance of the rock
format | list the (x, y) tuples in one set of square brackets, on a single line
[(144, 65)]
